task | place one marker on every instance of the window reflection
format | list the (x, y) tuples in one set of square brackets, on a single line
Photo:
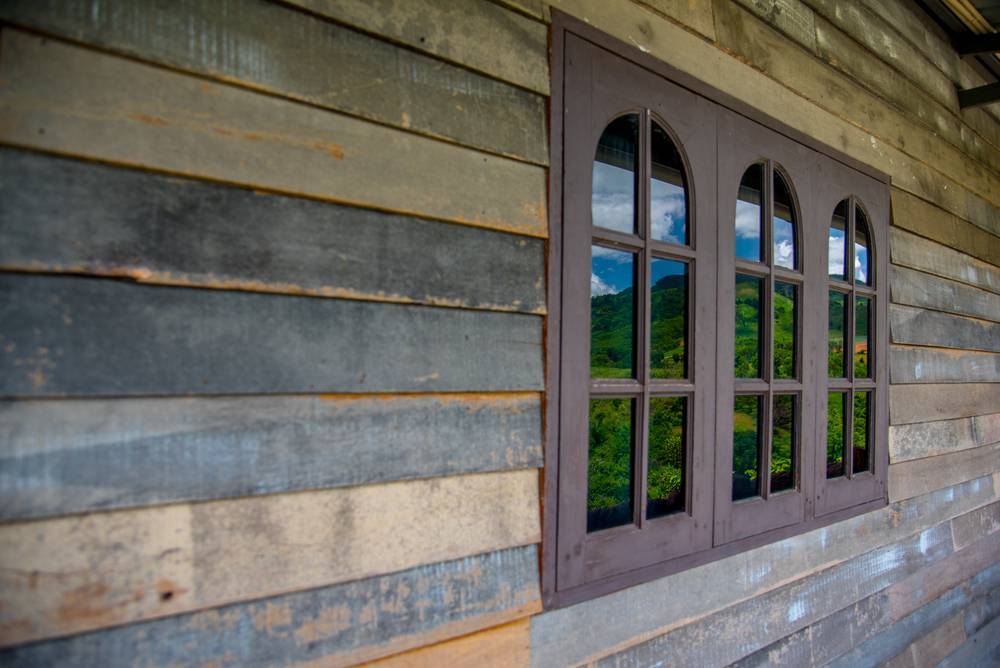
[(786, 314), (862, 266), (838, 243), (862, 408), (783, 443), (862, 316), (748, 214), (836, 338), (746, 447), (612, 313), (835, 434), (784, 224), (667, 443), (748, 317), (609, 463), (614, 174), (668, 204), (668, 322)]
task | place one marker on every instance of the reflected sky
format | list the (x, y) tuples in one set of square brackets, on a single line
[(611, 271), (837, 243), (613, 200), (668, 212), (860, 263), (747, 230), (784, 243)]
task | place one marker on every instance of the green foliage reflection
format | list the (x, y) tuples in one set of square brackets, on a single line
[(837, 303), (782, 440), (785, 312), (746, 446), (747, 343), (835, 434), (609, 464), (861, 409), (665, 481)]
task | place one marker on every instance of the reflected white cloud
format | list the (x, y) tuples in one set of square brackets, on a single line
[(668, 212), (835, 262), (599, 287), (616, 256), (784, 254), (612, 201), (860, 263), (747, 220)]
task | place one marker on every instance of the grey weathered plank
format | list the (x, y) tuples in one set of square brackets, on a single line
[(695, 16), (64, 215), (982, 649), (338, 625), (475, 33), (61, 457), (986, 428), (80, 336), (927, 439), (915, 288), (918, 253), (919, 476), (973, 526), (76, 101), (269, 47), (981, 611), (920, 327), (746, 627), (926, 403), (938, 365), (791, 17), (574, 634), (915, 215)]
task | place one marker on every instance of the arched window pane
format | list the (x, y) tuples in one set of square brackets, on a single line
[(785, 252), (615, 168), (837, 262), (862, 261), (748, 214), (667, 189)]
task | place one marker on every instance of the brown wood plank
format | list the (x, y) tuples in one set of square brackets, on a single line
[(70, 575), (68, 336), (477, 34), (926, 403), (920, 327), (268, 47), (71, 100), (915, 252), (508, 645), (920, 476), (337, 625), (915, 288), (62, 215), (72, 456), (915, 215)]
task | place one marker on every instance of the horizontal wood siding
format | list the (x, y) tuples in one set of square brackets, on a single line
[(926, 403), (331, 626), (73, 456)]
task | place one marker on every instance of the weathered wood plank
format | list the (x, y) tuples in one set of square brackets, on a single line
[(570, 635), (915, 215), (790, 17), (82, 336), (925, 403), (269, 47), (71, 100), (927, 439), (919, 476), (62, 457), (62, 215), (915, 288), (477, 34), (75, 574), (920, 327), (507, 645), (981, 611), (982, 649), (696, 16), (939, 643), (912, 251), (760, 621), (333, 626), (973, 526), (937, 365)]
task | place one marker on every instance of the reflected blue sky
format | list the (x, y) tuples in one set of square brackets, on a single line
[(784, 243), (837, 241), (668, 212), (611, 271), (747, 230), (661, 268), (860, 263), (612, 203)]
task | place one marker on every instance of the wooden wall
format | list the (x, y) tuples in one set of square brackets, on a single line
[(271, 338)]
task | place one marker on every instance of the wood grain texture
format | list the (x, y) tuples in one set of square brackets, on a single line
[(73, 456), (62, 215), (476, 34), (590, 629), (926, 403), (919, 476), (923, 218), (507, 645), (981, 611), (938, 365), (928, 439), (696, 16), (84, 337), (926, 652), (920, 327), (63, 98), (915, 288), (982, 649), (915, 252), (791, 17), (972, 527), (332, 626), (265, 46), (75, 574)]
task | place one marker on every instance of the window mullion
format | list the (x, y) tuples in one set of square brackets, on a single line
[(643, 320)]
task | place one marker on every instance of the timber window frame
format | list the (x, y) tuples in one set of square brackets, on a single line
[(596, 79)]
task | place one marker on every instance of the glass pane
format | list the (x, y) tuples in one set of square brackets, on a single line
[(612, 203), (783, 443), (748, 319), (785, 252), (667, 189), (837, 262), (835, 434), (749, 213), (786, 316), (746, 447), (862, 261), (836, 336), (862, 315), (665, 480), (862, 434), (609, 463), (668, 328), (612, 313)]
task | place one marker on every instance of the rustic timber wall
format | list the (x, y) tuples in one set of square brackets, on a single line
[(271, 338)]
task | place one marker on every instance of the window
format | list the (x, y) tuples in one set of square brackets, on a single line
[(695, 323)]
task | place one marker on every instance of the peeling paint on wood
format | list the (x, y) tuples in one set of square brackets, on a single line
[(87, 337), (919, 327), (266, 46), (925, 403), (63, 98), (60, 215), (910, 364), (332, 626), (77, 574), (72, 456)]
